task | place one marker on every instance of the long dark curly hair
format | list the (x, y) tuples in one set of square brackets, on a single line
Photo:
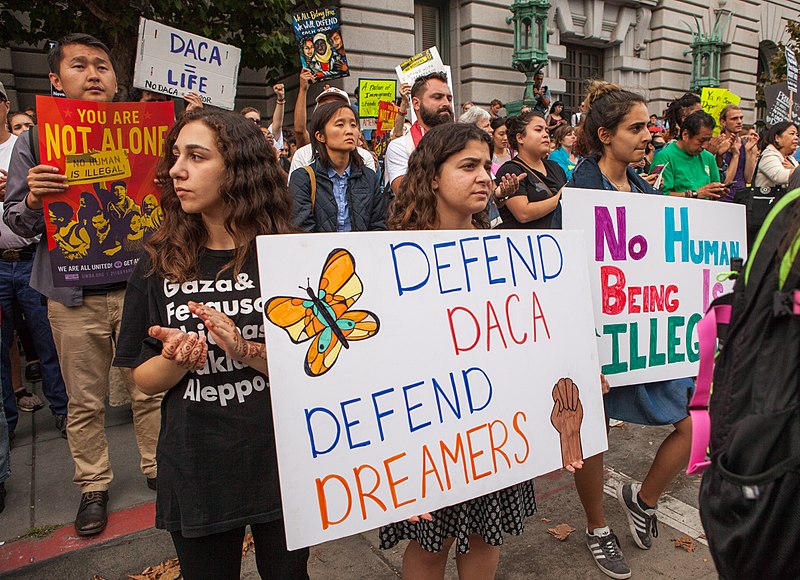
[(253, 190), (414, 208)]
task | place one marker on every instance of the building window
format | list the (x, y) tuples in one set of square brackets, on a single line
[(582, 64), (431, 27)]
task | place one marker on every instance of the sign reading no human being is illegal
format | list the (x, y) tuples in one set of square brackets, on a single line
[(655, 264), (414, 370)]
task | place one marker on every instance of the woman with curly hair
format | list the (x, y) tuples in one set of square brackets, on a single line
[(447, 187), (191, 326)]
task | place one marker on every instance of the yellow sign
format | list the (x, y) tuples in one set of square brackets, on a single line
[(714, 100), (98, 166), (371, 92)]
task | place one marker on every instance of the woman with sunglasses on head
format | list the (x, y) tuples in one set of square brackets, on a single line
[(777, 162)]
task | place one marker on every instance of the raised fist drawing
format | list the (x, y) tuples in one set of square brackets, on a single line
[(567, 417)]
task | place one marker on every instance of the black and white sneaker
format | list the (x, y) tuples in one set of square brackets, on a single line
[(604, 546), (643, 522)]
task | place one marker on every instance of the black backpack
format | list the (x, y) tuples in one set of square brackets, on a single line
[(750, 494)]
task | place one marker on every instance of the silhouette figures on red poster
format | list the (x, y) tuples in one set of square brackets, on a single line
[(109, 153)]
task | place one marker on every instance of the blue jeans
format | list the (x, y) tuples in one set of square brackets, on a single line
[(15, 287), (5, 448)]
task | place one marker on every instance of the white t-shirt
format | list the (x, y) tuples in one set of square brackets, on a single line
[(397, 154), (305, 156), (5, 152), (9, 239)]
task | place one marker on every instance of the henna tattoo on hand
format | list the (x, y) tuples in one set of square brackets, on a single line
[(244, 349)]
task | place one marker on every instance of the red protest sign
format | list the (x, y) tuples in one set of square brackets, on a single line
[(387, 113), (109, 153)]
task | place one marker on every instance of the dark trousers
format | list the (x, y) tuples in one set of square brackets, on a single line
[(219, 556), (15, 289)]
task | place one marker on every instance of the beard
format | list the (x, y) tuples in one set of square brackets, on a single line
[(437, 117)]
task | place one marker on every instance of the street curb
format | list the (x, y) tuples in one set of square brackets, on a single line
[(28, 555)]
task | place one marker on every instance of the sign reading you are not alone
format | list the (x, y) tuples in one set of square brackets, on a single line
[(414, 370)]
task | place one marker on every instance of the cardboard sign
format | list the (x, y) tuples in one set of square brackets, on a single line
[(791, 70), (424, 63), (174, 62), (319, 41), (714, 100), (779, 105), (370, 94), (653, 267), (380, 143), (459, 347), (109, 153), (368, 124)]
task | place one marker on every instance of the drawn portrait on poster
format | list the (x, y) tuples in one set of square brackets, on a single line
[(109, 152), (319, 40)]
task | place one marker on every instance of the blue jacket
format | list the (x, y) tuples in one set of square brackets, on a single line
[(366, 201), (587, 175)]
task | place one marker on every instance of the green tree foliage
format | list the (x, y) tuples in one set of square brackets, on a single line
[(261, 29)]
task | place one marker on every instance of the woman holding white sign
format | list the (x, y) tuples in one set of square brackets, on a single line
[(217, 466), (613, 136), (447, 187)]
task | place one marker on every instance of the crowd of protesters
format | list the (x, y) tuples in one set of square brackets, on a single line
[(438, 172)]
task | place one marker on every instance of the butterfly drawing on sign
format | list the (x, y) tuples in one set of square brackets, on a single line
[(325, 316)]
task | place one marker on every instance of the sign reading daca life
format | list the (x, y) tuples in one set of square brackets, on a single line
[(414, 370), (654, 262), (109, 153), (175, 62)]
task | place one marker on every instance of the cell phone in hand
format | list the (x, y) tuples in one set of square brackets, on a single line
[(657, 169)]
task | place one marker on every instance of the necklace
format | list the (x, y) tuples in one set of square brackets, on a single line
[(617, 185)]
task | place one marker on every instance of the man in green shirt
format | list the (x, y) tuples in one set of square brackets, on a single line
[(690, 170)]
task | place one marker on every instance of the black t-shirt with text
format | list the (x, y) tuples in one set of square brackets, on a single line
[(217, 465)]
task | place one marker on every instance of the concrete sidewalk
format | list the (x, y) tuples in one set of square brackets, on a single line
[(41, 496)]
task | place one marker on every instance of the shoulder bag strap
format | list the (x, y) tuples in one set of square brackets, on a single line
[(313, 178), (531, 174)]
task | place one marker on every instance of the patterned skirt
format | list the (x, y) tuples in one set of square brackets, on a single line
[(490, 516)]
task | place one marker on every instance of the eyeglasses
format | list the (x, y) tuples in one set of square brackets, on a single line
[(256, 121)]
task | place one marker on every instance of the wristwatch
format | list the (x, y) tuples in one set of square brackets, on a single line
[(693, 193)]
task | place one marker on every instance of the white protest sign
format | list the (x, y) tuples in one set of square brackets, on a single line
[(445, 390), (424, 63), (653, 263), (791, 70), (174, 62)]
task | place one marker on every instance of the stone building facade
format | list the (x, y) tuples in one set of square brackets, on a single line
[(640, 44)]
